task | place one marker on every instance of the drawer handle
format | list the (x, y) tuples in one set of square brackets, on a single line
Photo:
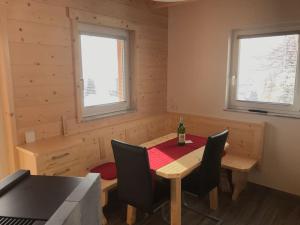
[(61, 172), (60, 156)]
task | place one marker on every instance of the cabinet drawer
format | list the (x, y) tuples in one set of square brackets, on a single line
[(73, 169), (57, 159), (90, 156)]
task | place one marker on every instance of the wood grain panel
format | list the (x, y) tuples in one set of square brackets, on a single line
[(115, 9), (28, 10), (40, 44), (44, 114), (40, 54), (152, 86), (42, 75), (245, 138), (6, 94), (43, 130), (36, 33)]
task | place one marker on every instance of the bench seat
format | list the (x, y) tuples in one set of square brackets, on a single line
[(237, 162), (108, 184), (240, 167)]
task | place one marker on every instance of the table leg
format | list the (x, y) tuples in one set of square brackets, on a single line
[(176, 201), (104, 200), (213, 198), (131, 215)]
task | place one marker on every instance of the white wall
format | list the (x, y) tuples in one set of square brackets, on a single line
[(198, 40)]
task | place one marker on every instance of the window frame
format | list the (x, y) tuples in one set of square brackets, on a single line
[(231, 103), (103, 110)]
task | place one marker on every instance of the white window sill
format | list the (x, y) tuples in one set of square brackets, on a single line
[(106, 115), (294, 116)]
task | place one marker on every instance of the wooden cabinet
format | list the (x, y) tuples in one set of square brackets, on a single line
[(59, 156)]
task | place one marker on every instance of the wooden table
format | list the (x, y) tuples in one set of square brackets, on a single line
[(176, 171)]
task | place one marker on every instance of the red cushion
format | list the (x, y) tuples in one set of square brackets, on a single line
[(108, 171)]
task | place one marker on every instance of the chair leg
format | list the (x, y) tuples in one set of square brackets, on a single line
[(213, 198), (186, 205), (219, 221), (131, 215), (165, 214)]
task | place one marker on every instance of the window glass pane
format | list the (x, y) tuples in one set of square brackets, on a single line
[(267, 69), (103, 70)]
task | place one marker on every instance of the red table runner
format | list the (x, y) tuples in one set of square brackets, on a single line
[(167, 152)]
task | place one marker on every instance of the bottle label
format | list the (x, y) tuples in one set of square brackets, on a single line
[(181, 138)]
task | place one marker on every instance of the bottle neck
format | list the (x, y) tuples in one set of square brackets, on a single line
[(181, 120)]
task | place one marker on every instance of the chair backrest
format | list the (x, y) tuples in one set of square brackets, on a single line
[(134, 175), (210, 168)]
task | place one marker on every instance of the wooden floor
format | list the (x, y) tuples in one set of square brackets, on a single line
[(257, 206)]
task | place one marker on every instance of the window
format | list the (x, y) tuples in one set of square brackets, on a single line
[(104, 70), (263, 74)]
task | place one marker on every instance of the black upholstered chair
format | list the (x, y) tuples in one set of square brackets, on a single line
[(137, 186), (207, 177)]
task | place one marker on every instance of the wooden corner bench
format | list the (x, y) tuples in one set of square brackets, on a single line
[(245, 143)]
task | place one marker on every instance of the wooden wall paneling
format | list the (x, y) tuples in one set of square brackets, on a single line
[(137, 133), (37, 33), (40, 46), (42, 75), (43, 114), (97, 143), (144, 130), (153, 57), (74, 127), (40, 54), (149, 73), (42, 131), (160, 128), (6, 94), (40, 37), (152, 86), (39, 95), (115, 9), (90, 152), (33, 11), (152, 105), (98, 19), (105, 142), (143, 5)]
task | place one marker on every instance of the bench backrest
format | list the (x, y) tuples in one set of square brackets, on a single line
[(245, 138)]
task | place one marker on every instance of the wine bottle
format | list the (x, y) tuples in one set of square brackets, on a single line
[(181, 132)]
